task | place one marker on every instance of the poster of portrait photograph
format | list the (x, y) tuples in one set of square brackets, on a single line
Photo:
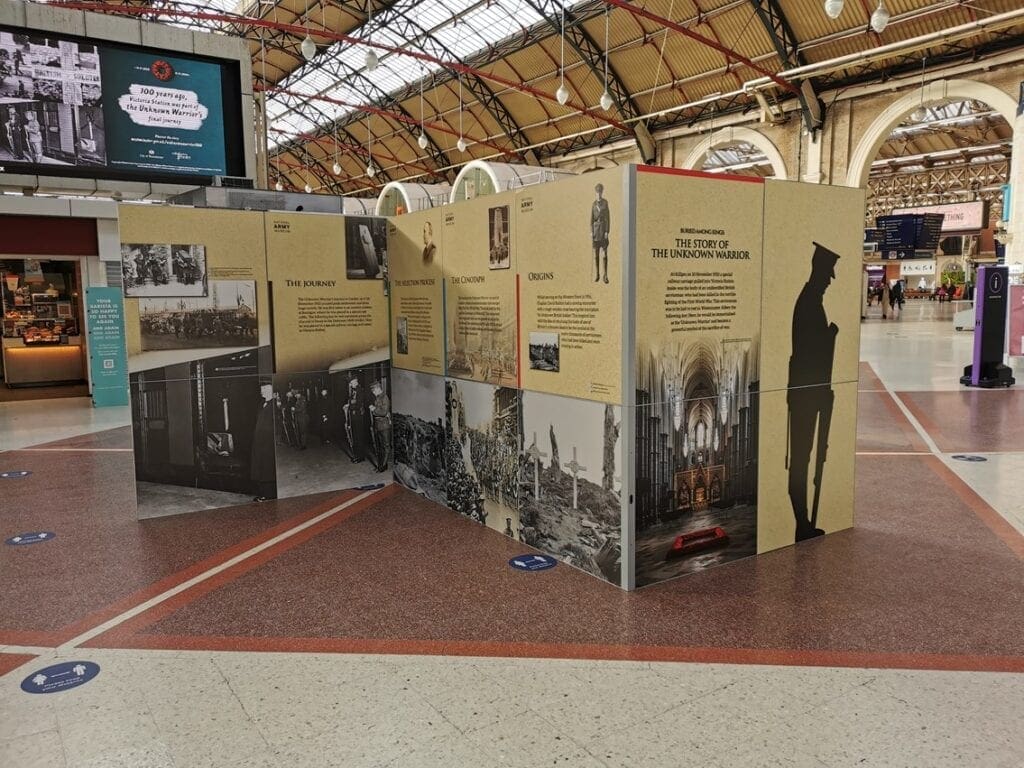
[(401, 335), (696, 456), (225, 317), (417, 408), (366, 247), (544, 351), (500, 245), (332, 430), (481, 453), (163, 269), (570, 492), (49, 102), (203, 435)]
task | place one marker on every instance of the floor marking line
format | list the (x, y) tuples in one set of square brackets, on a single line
[(893, 453), (71, 450), (575, 651), (185, 585)]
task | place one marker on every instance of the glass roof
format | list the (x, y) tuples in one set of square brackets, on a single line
[(462, 27)]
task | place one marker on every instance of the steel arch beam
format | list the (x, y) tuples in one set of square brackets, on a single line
[(775, 23)]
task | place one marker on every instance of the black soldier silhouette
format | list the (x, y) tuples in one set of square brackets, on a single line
[(809, 397)]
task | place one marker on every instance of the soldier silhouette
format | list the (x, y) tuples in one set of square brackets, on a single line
[(809, 397)]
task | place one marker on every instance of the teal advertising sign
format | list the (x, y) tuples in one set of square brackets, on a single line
[(108, 360), (163, 113)]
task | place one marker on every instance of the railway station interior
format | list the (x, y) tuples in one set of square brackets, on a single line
[(604, 384)]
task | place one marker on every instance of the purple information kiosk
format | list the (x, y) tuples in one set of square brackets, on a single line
[(990, 305)]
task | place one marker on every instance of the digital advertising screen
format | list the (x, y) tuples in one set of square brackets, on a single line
[(76, 107)]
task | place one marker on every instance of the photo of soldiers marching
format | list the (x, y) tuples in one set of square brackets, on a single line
[(224, 318), (332, 429), (163, 269)]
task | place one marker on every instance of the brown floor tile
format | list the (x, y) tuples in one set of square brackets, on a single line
[(881, 425), (119, 437), (11, 661), (868, 378), (971, 419), (101, 554), (921, 574)]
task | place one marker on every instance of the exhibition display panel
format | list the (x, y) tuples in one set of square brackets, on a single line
[(683, 391), (257, 351), (42, 341), (640, 371)]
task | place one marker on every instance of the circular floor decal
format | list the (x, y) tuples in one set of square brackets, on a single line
[(30, 538), (968, 457), (15, 474), (60, 677), (532, 562)]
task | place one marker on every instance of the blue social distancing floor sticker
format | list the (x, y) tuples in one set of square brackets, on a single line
[(532, 562), (15, 474), (60, 677), (968, 457), (30, 538)]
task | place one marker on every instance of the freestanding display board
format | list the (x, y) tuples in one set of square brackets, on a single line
[(258, 354), (685, 376)]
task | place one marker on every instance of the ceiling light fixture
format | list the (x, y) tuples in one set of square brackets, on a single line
[(371, 55), (562, 94), (309, 189), (279, 186), (337, 166), (880, 18), (370, 170), (308, 48), (606, 98), (461, 143), (833, 8), (422, 140)]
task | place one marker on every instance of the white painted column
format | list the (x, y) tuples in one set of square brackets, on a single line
[(1015, 248)]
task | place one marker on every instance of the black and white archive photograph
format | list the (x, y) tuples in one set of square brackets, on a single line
[(225, 317), (544, 351), (418, 412), (498, 239), (366, 247), (50, 94), (163, 269), (569, 500)]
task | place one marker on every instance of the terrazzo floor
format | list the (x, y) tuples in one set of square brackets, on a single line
[(373, 629)]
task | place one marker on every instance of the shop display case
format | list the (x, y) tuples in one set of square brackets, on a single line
[(41, 334)]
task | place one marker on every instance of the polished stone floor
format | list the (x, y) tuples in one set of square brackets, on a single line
[(372, 629)]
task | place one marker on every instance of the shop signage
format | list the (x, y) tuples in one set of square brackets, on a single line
[(532, 562), (924, 268), (15, 474), (957, 217), (108, 362), (30, 538), (60, 677)]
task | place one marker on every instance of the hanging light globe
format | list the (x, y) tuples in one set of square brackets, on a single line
[(309, 189), (606, 101), (461, 144), (833, 8), (422, 140), (371, 171), (308, 48), (337, 169), (562, 94), (880, 18), (371, 60), (279, 186)]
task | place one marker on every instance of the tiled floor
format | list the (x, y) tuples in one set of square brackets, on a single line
[(899, 643)]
